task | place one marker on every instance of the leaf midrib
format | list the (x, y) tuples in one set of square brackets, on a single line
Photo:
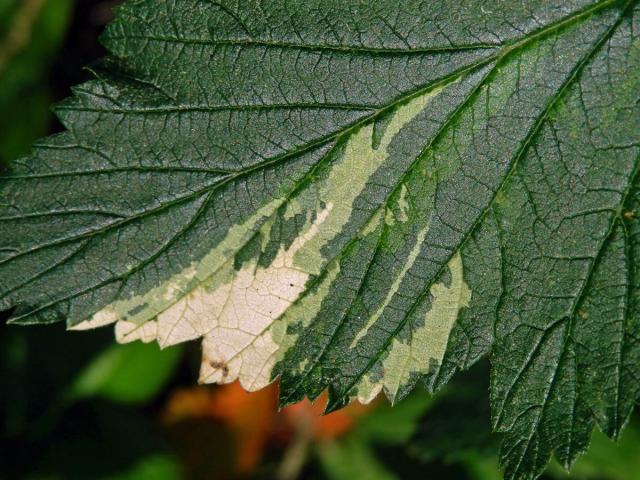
[(347, 49), (359, 48)]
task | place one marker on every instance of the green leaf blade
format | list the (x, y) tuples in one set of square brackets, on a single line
[(543, 377)]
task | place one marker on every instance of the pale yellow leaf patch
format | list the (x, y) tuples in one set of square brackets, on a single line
[(427, 343)]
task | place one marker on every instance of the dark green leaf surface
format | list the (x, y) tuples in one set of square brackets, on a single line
[(355, 196)]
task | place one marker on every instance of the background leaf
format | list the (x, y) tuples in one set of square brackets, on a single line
[(127, 373)]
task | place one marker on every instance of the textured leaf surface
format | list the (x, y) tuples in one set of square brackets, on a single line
[(355, 196)]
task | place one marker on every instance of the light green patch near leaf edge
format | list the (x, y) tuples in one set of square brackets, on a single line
[(430, 339)]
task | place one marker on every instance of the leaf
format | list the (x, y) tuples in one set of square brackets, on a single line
[(355, 197)]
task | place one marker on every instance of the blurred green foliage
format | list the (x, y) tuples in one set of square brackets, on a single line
[(133, 373), (449, 436), (355, 456), (76, 406), (32, 31)]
